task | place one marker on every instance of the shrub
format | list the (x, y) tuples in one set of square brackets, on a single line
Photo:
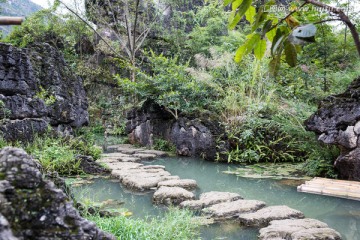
[(164, 145)]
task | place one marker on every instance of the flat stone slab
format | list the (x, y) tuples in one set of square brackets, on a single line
[(153, 166), (183, 183), (141, 183), (210, 198), (172, 195), (228, 210), (296, 229), (123, 165), (264, 216), (144, 156), (140, 173), (155, 152)]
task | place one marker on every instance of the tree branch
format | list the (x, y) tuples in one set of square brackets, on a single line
[(94, 30), (344, 18)]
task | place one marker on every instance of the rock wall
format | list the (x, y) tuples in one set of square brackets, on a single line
[(33, 207), (191, 136), (337, 122), (38, 90)]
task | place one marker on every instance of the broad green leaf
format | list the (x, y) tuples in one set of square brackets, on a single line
[(227, 2), (245, 5), (235, 20), (267, 27), (290, 54), (260, 17), (247, 47), (271, 34), (250, 14), (260, 49), (236, 4), (279, 36)]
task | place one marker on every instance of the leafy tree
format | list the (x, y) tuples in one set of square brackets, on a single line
[(286, 34)]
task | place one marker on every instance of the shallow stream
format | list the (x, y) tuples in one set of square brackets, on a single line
[(341, 214)]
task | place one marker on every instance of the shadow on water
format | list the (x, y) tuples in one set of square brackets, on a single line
[(340, 214)]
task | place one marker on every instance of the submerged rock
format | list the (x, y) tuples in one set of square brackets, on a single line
[(264, 216), (171, 195), (337, 122), (228, 210), (5, 231), (296, 229), (210, 198), (34, 207)]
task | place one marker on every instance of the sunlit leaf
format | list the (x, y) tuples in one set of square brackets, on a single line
[(247, 47), (227, 2), (236, 4), (235, 20), (245, 5), (260, 49), (250, 14)]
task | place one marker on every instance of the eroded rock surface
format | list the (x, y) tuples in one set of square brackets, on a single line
[(171, 195), (191, 136), (337, 122), (183, 183), (296, 229), (34, 207), (228, 210), (210, 198), (264, 216), (38, 90)]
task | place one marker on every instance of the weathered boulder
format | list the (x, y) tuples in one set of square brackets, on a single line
[(228, 210), (264, 216), (296, 229), (210, 198), (337, 122), (38, 90), (192, 136), (34, 207), (5, 231), (172, 195)]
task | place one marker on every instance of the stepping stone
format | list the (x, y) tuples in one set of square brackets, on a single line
[(140, 173), (210, 198), (124, 165), (264, 216), (291, 229), (144, 156), (115, 155), (183, 183), (153, 166), (228, 210), (172, 195), (155, 152), (140, 183)]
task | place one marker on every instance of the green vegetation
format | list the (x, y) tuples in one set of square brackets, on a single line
[(176, 224), (188, 67)]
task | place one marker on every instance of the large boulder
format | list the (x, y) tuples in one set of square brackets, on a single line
[(33, 207), (192, 136), (38, 91), (337, 122)]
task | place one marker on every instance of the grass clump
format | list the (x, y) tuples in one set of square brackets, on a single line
[(176, 224)]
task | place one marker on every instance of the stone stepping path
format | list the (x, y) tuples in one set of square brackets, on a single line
[(276, 222)]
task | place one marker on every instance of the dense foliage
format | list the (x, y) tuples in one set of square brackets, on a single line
[(185, 64)]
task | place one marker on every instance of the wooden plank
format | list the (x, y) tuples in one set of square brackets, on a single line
[(332, 187)]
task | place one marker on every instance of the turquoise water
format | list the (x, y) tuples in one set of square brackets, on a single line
[(340, 214)]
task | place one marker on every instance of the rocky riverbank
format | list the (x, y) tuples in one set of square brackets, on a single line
[(125, 164)]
